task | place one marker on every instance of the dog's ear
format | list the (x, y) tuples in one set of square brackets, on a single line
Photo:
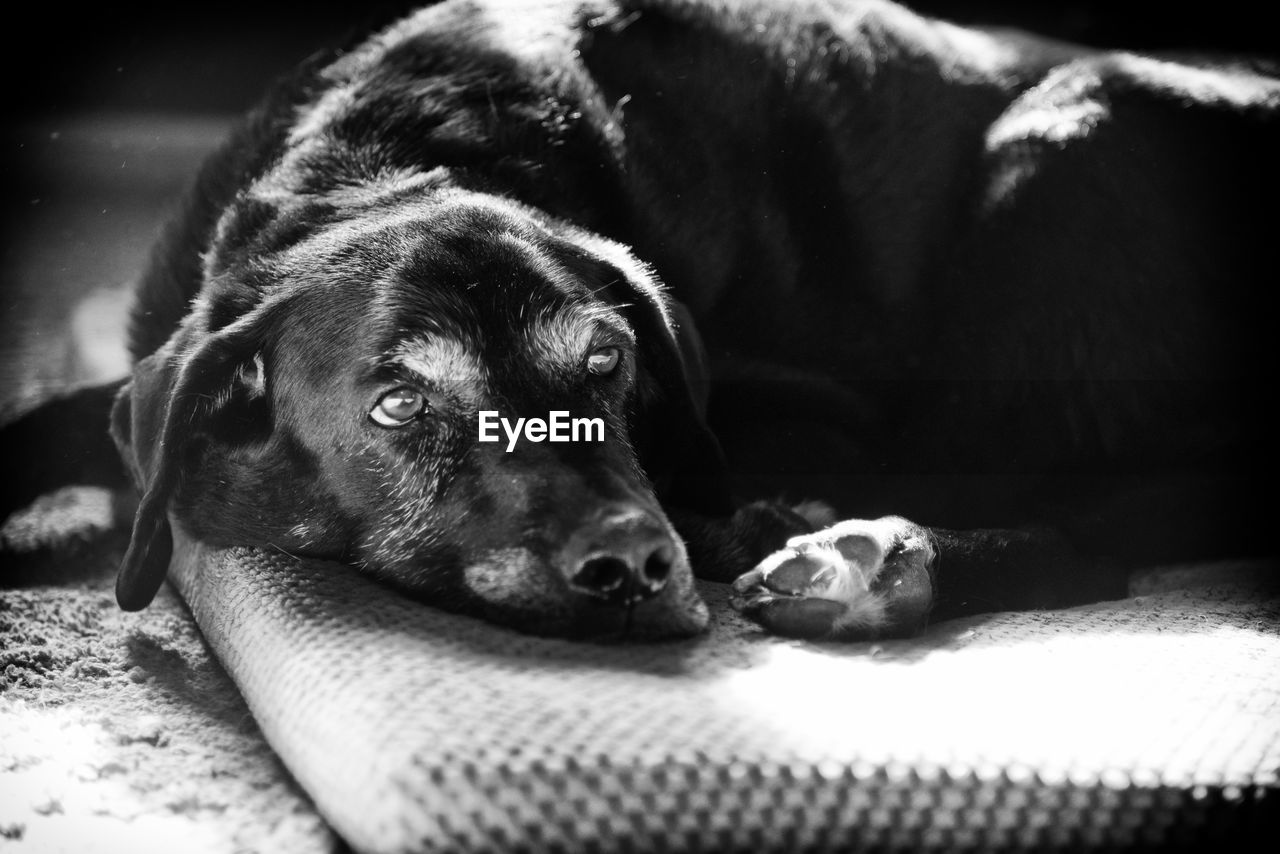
[(171, 395), (676, 447)]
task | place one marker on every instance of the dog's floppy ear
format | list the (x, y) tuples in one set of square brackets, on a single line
[(676, 447), (154, 415)]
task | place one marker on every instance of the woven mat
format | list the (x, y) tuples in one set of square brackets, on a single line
[(1150, 721)]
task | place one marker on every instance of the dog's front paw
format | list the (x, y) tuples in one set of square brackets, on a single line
[(858, 579)]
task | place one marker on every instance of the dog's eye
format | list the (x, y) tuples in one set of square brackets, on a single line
[(399, 407), (604, 360)]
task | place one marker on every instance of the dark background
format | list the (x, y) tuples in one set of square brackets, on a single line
[(195, 57)]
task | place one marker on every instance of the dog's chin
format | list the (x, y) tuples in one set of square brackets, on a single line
[(597, 623)]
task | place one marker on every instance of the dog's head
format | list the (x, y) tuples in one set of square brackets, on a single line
[(333, 398)]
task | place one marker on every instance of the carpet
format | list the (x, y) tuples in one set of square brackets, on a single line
[(1146, 722)]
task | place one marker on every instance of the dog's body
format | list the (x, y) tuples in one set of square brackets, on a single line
[(1008, 289)]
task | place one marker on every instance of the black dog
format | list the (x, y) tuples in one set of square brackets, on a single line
[(1009, 289)]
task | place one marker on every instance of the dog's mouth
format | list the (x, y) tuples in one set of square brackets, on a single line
[(621, 574), (516, 588)]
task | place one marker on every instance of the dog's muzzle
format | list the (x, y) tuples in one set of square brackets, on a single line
[(622, 556)]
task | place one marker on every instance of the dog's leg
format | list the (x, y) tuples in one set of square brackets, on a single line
[(722, 549), (886, 577)]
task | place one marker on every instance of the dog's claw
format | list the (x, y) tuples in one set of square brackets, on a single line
[(856, 579)]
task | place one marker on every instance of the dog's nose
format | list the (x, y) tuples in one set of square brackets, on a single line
[(624, 558)]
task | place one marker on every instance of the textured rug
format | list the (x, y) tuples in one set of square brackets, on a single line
[(120, 732), (1147, 722)]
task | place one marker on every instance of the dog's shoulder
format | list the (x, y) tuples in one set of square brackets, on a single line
[(174, 273)]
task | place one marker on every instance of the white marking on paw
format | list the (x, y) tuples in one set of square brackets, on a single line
[(852, 553)]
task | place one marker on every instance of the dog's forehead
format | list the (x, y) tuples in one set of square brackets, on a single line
[(473, 299), (549, 340), (465, 296), (562, 338), (452, 362)]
